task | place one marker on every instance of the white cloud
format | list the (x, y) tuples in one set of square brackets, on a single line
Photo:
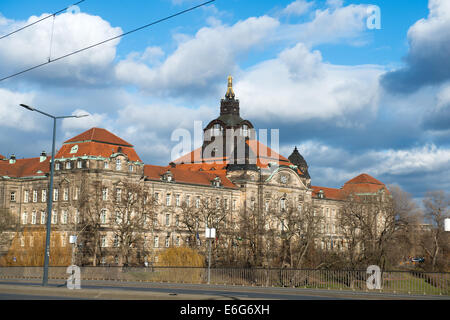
[(429, 49), (72, 32), (74, 125), (13, 116), (197, 62), (331, 25), (298, 8), (299, 86)]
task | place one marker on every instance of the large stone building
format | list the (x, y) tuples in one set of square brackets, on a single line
[(97, 167)]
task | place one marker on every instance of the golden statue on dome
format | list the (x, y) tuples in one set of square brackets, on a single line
[(230, 92)]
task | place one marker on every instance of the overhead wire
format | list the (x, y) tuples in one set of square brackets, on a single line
[(107, 40), (46, 17)]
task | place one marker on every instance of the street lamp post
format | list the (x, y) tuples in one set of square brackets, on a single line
[(50, 194)]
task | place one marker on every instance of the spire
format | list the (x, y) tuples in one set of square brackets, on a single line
[(230, 93)]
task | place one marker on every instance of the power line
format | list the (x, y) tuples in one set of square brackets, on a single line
[(49, 16), (104, 41)]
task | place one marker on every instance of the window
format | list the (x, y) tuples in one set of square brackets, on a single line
[(43, 217), (55, 194), (57, 165), (267, 206), (118, 194), (328, 212), (35, 196), (44, 196), (177, 220), (226, 203), (168, 200), (64, 217), (188, 201), (118, 218), (167, 242), (197, 202), (177, 241), (167, 219), (74, 149), (25, 218), (116, 241), (217, 130), (26, 196), (103, 216), (130, 168), (77, 193), (105, 194), (79, 164), (106, 165), (68, 165), (77, 217), (283, 204), (217, 202), (13, 196), (156, 197), (244, 130), (66, 194), (177, 200), (156, 242), (33, 217), (234, 204), (54, 217), (118, 165), (299, 208), (103, 242)]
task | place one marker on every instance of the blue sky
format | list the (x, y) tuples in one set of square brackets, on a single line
[(352, 99)]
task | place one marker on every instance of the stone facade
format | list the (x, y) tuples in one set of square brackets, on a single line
[(96, 163)]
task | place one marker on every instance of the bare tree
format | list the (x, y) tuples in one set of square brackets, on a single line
[(8, 228), (369, 224), (434, 238), (89, 206), (133, 215)]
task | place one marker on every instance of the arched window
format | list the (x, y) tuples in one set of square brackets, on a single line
[(283, 203)]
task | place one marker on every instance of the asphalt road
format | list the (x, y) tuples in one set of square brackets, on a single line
[(26, 290)]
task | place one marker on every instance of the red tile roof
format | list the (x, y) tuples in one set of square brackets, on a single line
[(361, 184), (183, 175), (364, 179), (22, 168), (194, 160), (99, 135), (329, 193), (2, 157), (96, 149)]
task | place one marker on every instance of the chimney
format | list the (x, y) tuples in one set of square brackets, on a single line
[(172, 165), (12, 160), (43, 156)]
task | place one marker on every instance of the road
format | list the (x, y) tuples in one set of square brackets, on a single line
[(26, 290)]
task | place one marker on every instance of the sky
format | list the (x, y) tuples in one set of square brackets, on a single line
[(354, 98)]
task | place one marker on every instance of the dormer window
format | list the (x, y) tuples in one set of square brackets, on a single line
[(79, 164), (167, 177), (74, 149), (321, 194), (244, 130), (217, 182), (68, 165), (217, 130)]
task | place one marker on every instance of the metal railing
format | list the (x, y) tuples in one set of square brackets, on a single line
[(396, 282)]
